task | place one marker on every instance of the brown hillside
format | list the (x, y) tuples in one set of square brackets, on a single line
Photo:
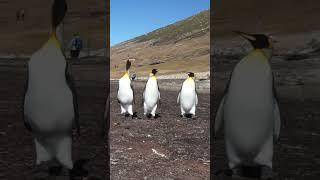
[(176, 48)]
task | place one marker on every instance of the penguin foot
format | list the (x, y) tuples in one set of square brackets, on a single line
[(236, 172), (41, 171), (247, 171), (78, 169), (134, 115), (40, 174), (55, 170), (188, 115), (149, 116), (227, 172), (266, 172), (156, 116), (94, 178), (126, 115)]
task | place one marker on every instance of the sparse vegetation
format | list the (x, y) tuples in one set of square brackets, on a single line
[(173, 49), (191, 27)]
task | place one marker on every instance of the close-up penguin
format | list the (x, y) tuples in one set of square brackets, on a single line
[(188, 97), (125, 92), (151, 95), (249, 111), (50, 108)]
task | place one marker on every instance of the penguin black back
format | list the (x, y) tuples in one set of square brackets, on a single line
[(59, 9)]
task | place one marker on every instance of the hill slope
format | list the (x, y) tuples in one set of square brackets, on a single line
[(176, 48)]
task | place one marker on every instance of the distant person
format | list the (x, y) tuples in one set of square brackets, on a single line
[(22, 12), (133, 77), (76, 46), (20, 15)]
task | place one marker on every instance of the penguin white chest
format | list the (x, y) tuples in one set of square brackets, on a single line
[(151, 93), (49, 100), (125, 93), (249, 104), (188, 94)]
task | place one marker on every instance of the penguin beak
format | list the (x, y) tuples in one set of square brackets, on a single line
[(245, 35)]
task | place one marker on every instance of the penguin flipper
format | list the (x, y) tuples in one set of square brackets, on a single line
[(106, 118), (158, 93), (27, 124), (134, 100), (144, 89), (277, 122), (178, 98), (70, 82), (219, 116), (196, 99), (25, 118), (277, 119)]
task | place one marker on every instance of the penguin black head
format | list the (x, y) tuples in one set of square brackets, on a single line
[(128, 65), (258, 41), (191, 74), (59, 9), (154, 71)]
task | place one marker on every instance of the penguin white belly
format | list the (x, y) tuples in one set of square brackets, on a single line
[(249, 107), (125, 93), (187, 97), (151, 94), (50, 110), (49, 100)]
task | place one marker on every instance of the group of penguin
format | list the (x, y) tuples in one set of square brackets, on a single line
[(249, 108), (187, 98)]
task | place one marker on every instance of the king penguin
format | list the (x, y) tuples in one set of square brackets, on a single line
[(151, 95), (125, 92), (188, 98), (249, 110), (50, 108)]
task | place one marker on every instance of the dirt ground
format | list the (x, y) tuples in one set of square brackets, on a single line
[(17, 153), (168, 147), (296, 156)]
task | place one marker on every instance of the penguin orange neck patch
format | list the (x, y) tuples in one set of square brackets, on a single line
[(190, 79), (53, 39), (126, 74), (153, 77)]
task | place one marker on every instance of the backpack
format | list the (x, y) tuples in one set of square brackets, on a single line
[(77, 43)]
